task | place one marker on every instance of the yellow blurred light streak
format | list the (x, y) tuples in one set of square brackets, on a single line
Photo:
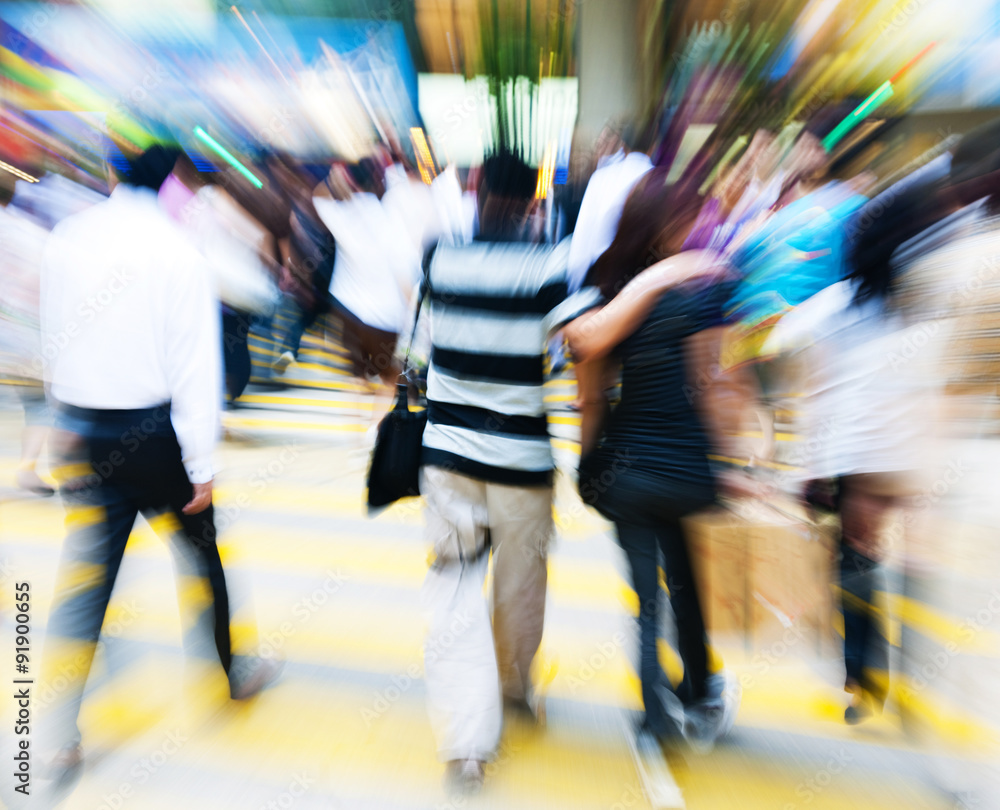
[(546, 171), (422, 150), (17, 172)]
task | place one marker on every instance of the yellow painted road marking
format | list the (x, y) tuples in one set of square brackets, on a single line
[(231, 420), (270, 399)]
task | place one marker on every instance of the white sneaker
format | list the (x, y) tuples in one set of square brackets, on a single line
[(710, 719), (658, 783), (465, 776), (283, 362), (251, 675)]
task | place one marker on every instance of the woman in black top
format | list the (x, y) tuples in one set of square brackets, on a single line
[(644, 464)]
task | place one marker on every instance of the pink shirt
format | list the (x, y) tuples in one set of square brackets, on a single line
[(174, 195)]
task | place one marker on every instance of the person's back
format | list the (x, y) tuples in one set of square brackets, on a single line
[(656, 424), (132, 328), (125, 257), (487, 468), (490, 304)]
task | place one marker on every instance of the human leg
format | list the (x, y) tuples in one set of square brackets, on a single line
[(641, 548), (460, 669), (521, 527)]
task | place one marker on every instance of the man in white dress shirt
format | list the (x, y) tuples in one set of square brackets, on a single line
[(603, 203), (132, 346)]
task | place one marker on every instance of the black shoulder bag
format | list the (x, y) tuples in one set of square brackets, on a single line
[(394, 472)]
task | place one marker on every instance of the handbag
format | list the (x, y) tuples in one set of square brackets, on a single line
[(394, 471)]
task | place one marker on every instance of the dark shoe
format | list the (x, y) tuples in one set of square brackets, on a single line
[(465, 776), (857, 712), (249, 679), (667, 733), (861, 705), (531, 709)]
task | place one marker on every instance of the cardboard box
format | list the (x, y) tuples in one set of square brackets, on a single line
[(718, 547), (764, 576), (791, 568)]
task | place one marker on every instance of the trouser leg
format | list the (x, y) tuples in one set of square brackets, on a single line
[(521, 528), (99, 520), (640, 546), (196, 537), (692, 642), (460, 669), (236, 352), (301, 321), (866, 649)]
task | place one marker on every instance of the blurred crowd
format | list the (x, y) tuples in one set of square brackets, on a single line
[(692, 304)]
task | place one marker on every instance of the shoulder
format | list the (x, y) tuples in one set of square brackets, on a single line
[(497, 267)]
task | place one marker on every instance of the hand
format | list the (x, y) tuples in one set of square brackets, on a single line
[(201, 500)]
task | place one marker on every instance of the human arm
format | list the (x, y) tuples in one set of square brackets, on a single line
[(592, 382), (596, 333), (722, 397), (193, 363)]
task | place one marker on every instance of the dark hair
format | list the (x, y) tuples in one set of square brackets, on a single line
[(654, 213), (978, 153), (639, 137), (367, 174), (149, 169), (892, 220), (505, 174), (975, 167)]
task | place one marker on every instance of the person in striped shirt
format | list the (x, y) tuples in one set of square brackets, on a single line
[(488, 466)]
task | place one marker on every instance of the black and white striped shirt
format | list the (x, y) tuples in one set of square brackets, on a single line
[(492, 306)]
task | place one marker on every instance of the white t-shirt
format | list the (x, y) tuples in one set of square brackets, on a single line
[(601, 211), (869, 385)]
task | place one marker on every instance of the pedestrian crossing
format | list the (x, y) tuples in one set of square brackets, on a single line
[(336, 594)]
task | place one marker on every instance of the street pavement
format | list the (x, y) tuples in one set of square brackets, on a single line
[(336, 594)]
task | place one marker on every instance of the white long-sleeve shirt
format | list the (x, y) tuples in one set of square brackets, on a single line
[(377, 264), (601, 211), (129, 320)]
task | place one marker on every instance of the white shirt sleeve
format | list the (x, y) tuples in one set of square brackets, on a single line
[(193, 361)]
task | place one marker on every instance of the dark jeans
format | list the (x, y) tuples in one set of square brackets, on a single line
[(135, 466), (236, 351), (301, 321), (866, 649), (647, 513)]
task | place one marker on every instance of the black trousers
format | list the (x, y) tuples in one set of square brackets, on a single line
[(236, 351), (131, 463), (647, 513), (866, 649)]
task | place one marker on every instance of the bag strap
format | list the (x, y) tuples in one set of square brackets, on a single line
[(425, 284)]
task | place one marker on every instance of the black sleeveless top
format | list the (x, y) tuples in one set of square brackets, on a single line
[(656, 426)]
